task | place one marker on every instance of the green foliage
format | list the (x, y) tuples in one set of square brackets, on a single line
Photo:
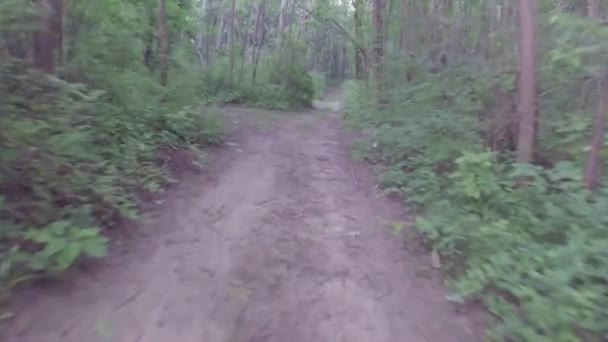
[(282, 82), (528, 241), (62, 150), (541, 244), (61, 244), (319, 81), (76, 148)]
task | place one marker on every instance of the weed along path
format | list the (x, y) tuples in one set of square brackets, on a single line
[(283, 238)]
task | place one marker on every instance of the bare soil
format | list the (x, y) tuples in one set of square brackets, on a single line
[(284, 238)]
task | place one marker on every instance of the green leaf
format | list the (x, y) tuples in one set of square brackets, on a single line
[(95, 247), (68, 256), (54, 247)]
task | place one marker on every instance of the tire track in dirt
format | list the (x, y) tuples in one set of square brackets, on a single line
[(285, 240)]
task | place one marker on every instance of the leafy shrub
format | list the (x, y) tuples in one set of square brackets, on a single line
[(71, 161), (282, 81), (529, 241), (319, 81), (543, 244)]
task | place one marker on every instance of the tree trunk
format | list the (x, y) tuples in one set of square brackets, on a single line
[(232, 43), (593, 8), (403, 28), (592, 170), (281, 34), (258, 40), (527, 81), (66, 37), (359, 53), (200, 41), (219, 42), (163, 42), (148, 53), (47, 41), (210, 19), (282, 14), (378, 55)]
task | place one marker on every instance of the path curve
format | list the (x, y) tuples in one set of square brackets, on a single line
[(285, 239)]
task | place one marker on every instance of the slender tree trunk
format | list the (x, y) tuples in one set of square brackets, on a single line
[(66, 37), (282, 14), (359, 53), (378, 55), (593, 8), (284, 7), (259, 39), (244, 52), (387, 13), (403, 38), (148, 53), (403, 28), (527, 81), (210, 19), (163, 42), (232, 42), (219, 42), (592, 170), (200, 34), (48, 40)]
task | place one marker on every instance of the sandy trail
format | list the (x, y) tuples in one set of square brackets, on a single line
[(284, 239)]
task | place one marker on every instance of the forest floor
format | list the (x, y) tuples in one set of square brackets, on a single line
[(282, 238)]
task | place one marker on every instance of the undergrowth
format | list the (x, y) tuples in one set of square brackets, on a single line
[(282, 82), (529, 241), (73, 160)]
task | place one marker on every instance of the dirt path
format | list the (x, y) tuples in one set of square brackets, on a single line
[(283, 240)]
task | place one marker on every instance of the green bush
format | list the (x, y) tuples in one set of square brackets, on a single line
[(71, 161), (282, 81), (299, 88), (528, 241), (319, 81), (543, 244)]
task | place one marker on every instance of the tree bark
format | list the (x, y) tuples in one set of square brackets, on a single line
[(47, 41), (258, 39), (219, 42), (378, 55), (593, 8), (148, 53), (200, 41), (403, 28), (163, 42), (592, 170), (359, 53), (527, 106), (232, 43)]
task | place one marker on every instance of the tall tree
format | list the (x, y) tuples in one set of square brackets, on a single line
[(162, 31), (592, 169), (526, 108), (359, 50), (48, 40), (232, 43), (378, 55), (593, 8), (258, 39)]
